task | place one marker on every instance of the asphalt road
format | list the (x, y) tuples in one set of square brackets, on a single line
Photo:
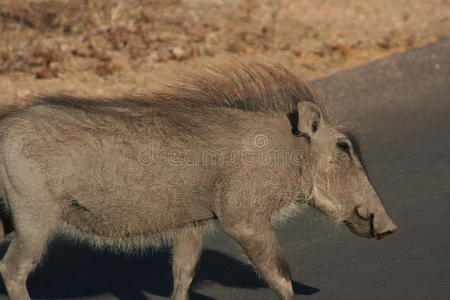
[(401, 107)]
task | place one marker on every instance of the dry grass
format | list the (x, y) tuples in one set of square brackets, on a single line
[(101, 42)]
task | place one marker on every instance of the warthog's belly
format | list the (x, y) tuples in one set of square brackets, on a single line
[(121, 197), (125, 209), (135, 220)]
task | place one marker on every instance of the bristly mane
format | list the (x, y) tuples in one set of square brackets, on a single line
[(250, 86)]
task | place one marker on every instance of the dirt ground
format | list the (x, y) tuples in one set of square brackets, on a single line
[(108, 48)]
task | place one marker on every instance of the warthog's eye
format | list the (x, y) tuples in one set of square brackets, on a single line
[(344, 146)]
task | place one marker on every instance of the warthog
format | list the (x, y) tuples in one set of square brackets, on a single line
[(235, 145)]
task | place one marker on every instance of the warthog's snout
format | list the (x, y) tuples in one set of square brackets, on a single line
[(371, 225), (381, 229)]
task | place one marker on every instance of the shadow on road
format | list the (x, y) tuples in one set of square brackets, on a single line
[(77, 271)]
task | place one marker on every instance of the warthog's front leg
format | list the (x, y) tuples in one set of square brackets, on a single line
[(186, 253), (262, 248)]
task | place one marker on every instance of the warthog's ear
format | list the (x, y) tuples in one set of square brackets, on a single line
[(309, 118)]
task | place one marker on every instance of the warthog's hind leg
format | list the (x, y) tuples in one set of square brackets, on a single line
[(260, 245), (32, 231), (186, 253)]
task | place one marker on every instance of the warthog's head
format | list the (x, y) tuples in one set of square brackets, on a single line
[(340, 186)]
